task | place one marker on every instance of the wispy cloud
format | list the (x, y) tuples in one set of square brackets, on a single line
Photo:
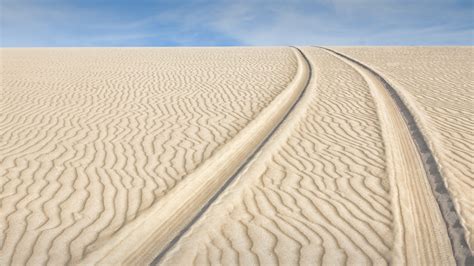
[(349, 22), (258, 22)]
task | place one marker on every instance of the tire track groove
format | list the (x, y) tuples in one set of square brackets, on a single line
[(239, 171), (155, 229), (304, 200), (455, 231), (88, 144)]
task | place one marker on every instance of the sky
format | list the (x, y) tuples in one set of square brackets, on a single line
[(64, 23)]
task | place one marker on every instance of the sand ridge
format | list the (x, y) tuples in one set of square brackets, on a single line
[(150, 234), (407, 165), (306, 203), (267, 220), (231, 156), (92, 138), (437, 85), (440, 194)]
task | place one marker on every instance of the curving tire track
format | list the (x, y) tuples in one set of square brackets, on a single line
[(437, 85), (167, 220), (91, 139), (240, 170), (342, 175), (318, 192), (455, 231)]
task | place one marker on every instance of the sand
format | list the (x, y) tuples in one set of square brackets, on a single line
[(438, 85), (93, 138), (344, 186), (234, 156)]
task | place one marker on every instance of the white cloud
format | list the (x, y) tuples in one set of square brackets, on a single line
[(257, 22), (338, 22)]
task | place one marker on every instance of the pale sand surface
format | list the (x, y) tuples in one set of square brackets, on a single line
[(229, 155), (91, 138), (149, 235), (322, 194), (439, 84), (341, 183)]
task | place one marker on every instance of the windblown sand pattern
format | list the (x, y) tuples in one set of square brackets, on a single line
[(439, 84), (321, 197), (198, 156), (91, 138)]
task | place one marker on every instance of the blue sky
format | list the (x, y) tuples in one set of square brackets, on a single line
[(220, 23)]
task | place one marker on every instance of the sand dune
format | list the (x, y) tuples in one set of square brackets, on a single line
[(438, 84), (307, 203), (92, 138), (346, 185), (150, 234), (229, 156)]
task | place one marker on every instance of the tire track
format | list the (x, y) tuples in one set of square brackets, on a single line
[(239, 171), (88, 144), (314, 194), (455, 231), (437, 85), (154, 230)]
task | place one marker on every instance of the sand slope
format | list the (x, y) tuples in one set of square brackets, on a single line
[(438, 84), (342, 185), (91, 138), (230, 156), (145, 237)]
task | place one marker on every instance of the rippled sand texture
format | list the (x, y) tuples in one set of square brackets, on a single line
[(91, 138), (230, 156), (322, 195), (340, 182), (438, 84)]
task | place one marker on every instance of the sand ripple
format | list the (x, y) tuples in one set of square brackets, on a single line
[(235, 156), (438, 84), (91, 138), (321, 197)]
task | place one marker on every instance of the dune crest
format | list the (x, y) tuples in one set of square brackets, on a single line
[(235, 156)]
